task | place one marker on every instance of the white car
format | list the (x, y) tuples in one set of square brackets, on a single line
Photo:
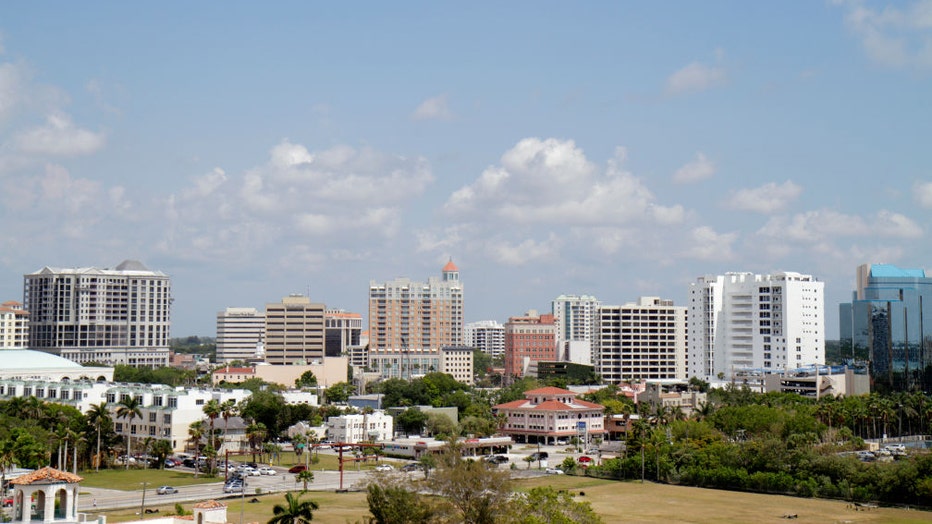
[(384, 467), (554, 471), (266, 471)]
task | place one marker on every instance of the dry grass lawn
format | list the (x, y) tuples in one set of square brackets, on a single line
[(629, 502)]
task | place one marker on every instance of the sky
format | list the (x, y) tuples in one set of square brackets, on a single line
[(252, 150)]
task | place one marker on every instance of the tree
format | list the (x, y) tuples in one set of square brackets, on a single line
[(477, 493), (294, 510), (306, 380), (129, 408), (545, 505), (161, 449), (392, 503), (255, 434), (213, 410), (99, 416), (411, 420), (305, 477), (440, 425), (195, 436), (339, 392)]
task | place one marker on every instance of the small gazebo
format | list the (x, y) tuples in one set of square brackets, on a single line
[(49, 486)]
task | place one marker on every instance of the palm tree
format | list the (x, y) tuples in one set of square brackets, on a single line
[(293, 511), (213, 410), (129, 408), (255, 434), (99, 415), (7, 458), (195, 435), (305, 476), (161, 449)]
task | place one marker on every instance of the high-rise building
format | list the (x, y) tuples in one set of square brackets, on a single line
[(645, 340), (14, 325), (113, 316), (294, 331), (575, 317), (487, 336), (528, 339), (741, 321), (240, 334), (887, 319), (343, 330), (404, 314)]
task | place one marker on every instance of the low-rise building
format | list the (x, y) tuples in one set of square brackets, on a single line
[(819, 381), (548, 414), (354, 428), (676, 396)]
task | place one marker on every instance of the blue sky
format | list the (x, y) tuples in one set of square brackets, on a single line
[(616, 149)]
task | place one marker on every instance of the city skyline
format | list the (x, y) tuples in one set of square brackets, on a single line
[(251, 152)]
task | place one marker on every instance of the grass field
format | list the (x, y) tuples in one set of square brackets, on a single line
[(613, 501)]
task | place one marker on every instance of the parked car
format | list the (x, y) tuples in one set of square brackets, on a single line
[(236, 487), (166, 490), (497, 459), (554, 471), (265, 470), (8, 502), (540, 455), (297, 469), (384, 467), (584, 459), (170, 463), (411, 466)]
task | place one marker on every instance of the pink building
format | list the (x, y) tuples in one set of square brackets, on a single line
[(531, 338), (548, 414)]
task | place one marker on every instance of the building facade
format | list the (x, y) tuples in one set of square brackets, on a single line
[(343, 331), (529, 339), (114, 316), (742, 321), (374, 427), (294, 331), (548, 414), (415, 363), (487, 336), (14, 325), (645, 340), (404, 314), (887, 320), (575, 317), (240, 334)]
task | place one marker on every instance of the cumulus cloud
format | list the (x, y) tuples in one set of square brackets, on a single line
[(824, 226), (700, 168), (696, 77), (526, 252), (434, 108), (206, 184), (11, 88), (705, 243), (59, 137), (550, 181), (923, 193), (766, 199), (895, 36)]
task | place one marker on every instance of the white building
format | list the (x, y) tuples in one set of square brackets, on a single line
[(14, 326), (115, 316), (240, 334), (376, 426), (575, 317), (458, 362), (487, 336), (415, 363), (741, 321), (645, 340)]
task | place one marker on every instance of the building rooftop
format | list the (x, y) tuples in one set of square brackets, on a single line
[(30, 359), (888, 270)]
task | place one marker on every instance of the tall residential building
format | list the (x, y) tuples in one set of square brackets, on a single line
[(343, 332), (14, 325), (645, 340), (240, 334), (404, 314), (528, 339), (294, 331), (113, 316), (887, 319), (575, 317), (487, 336), (742, 321)]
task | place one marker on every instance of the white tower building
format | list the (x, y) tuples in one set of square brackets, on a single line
[(240, 334), (742, 321), (487, 336), (575, 317)]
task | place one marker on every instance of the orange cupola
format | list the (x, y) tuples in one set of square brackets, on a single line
[(450, 267)]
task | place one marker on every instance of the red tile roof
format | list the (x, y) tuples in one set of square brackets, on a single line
[(241, 371), (210, 504), (450, 266), (549, 390), (46, 475)]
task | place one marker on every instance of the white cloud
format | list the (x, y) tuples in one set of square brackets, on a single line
[(705, 243), (59, 137), (895, 36), (552, 182), (766, 199), (923, 193), (206, 184), (699, 169), (11, 86), (822, 227), (435, 108), (523, 253), (696, 77)]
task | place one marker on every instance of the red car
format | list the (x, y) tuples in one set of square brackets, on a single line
[(8, 502), (585, 460), (297, 469)]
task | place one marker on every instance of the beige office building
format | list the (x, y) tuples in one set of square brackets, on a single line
[(645, 340), (14, 326), (294, 331)]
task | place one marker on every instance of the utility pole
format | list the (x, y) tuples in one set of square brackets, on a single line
[(142, 506)]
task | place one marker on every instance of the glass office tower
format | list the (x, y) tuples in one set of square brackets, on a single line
[(890, 317)]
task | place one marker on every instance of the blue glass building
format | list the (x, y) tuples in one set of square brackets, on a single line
[(890, 318)]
